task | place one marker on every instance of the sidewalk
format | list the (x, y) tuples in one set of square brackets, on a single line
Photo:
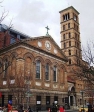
[(58, 111)]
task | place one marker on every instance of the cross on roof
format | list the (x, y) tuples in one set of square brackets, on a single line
[(47, 30)]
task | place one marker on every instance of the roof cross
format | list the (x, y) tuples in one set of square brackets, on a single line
[(47, 30)]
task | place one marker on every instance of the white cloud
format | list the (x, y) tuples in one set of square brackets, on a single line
[(32, 16)]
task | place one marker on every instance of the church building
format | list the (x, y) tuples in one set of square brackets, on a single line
[(36, 71)]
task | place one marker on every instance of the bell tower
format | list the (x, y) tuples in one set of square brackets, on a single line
[(70, 35)]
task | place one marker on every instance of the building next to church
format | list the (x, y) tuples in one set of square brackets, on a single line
[(36, 71)]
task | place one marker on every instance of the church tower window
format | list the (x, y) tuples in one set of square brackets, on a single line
[(64, 37), (69, 61), (63, 27), (68, 25), (69, 52), (69, 43), (64, 45), (69, 35)]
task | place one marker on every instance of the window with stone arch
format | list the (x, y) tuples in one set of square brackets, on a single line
[(69, 61), (13, 67), (0, 66), (69, 43), (5, 68), (64, 36), (55, 73), (64, 45), (69, 35), (38, 69), (47, 71), (28, 65), (69, 52)]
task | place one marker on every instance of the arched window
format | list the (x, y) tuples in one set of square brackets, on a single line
[(55, 73), (69, 61), (64, 18), (68, 25), (76, 52), (69, 35), (0, 66), (74, 25), (63, 27), (5, 67), (69, 52), (68, 16), (64, 36), (47, 71), (64, 45), (69, 43), (38, 69)]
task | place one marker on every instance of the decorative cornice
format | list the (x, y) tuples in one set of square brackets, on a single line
[(12, 46), (71, 7)]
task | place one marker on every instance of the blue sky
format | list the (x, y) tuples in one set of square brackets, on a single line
[(32, 16)]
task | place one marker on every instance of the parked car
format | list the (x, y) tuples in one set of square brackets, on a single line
[(85, 108)]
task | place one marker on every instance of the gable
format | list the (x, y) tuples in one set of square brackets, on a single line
[(47, 44)]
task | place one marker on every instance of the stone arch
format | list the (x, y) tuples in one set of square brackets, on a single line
[(63, 67), (47, 71), (55, 71), (6, 57), (28, 63), (39, 58), (28, 54), (71, 90), (6, 64), (1, 65), (62, 73), (39, 67), (48, 61), (13, 55), (55, 63)]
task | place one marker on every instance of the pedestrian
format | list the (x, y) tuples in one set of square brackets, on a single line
[(5, 108), (9, 107), (1, 109), (29, 109), (89, 108), (61, 109), (20, 108), (54, 109), (93, 108)]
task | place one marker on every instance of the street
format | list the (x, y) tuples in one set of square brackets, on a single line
[(65, 111)]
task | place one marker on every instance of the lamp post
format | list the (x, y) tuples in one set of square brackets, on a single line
[(28, 93), (82, 92)]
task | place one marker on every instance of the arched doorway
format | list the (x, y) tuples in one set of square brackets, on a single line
[(72, 96)]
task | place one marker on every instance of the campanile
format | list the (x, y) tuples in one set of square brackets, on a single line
[(70, 35)]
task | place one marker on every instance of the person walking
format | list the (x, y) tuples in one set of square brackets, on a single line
[(61, 109), (5, 108), (9, 107), (29, 109), (93, 108), (20, 108), (89, 108)]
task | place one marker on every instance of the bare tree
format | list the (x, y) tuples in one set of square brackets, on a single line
[(88, 53), (3, 16)]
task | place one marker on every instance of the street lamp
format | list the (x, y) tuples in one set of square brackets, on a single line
[(82, 92), (28, 93)]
